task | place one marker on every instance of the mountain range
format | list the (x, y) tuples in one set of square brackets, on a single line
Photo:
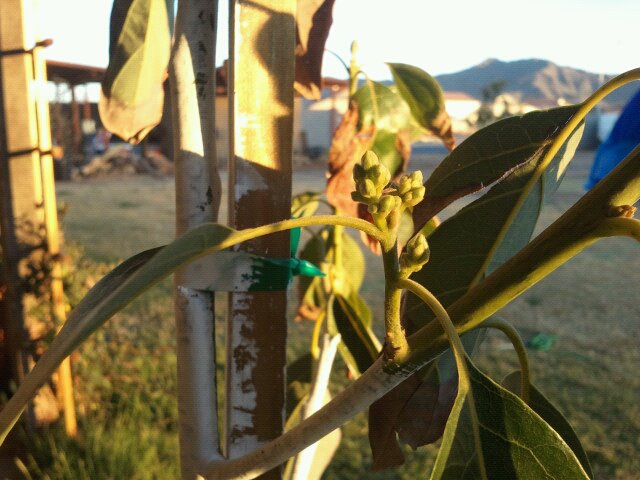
[(533, 79)]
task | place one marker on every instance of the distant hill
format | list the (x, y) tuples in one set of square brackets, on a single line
[(533, 79)]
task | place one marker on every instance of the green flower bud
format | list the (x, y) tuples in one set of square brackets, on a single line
[(357, 197), (388, 203), (418, 249), (358, 173), (416, 254), (411, 189), (416, 179), (369, 159), (370, 177), (404, 186), (367, 188)]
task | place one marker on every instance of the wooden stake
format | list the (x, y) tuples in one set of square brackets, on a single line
[(262, 43), (52, 233)]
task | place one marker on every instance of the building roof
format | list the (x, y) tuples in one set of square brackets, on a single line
[(458, 96), (73, 73)]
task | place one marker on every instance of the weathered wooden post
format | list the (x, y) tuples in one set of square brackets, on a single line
[(262, 43), (27, 214)]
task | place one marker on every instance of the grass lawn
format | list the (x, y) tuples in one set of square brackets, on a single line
[(125, 375)]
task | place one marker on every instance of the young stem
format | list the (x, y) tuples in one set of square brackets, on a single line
[(464, 379), (396, 347), (351, 222), (521, 351)]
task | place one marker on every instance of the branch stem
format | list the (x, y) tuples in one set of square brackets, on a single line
[(521, 351), (396, 347), (370, 386)]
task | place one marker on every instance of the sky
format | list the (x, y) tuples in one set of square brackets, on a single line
[(441, 37)]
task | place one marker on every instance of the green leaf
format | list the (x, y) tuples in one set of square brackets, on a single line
[(116, 290), (310, 290), (384, 109), (515, 442), (488, 156), (381, 107), (325, 450), (469, 245), (132, 95), (543, 407), (425, 99), (392, 149), (351, 318), (353, 267), (405, 229), (305, 204)]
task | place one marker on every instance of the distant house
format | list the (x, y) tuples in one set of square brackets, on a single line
[(460, 106)]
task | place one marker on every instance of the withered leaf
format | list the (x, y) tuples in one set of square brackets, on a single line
[(313, 22), (347, 146), (415, 412), (132, 95), (383, 416)]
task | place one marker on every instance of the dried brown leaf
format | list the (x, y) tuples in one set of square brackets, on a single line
[(383, 415), (313, 22), (347, 146), (441, 127)]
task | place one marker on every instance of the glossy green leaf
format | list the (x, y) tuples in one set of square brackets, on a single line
[(425, 99), (132, 96), (353, 266), (305, 204), (325, 450), (116, 290), (382, 108), (351, 318), (515, 442), (550, 414), (310, 290), (392, 150), (488, 156), (468, 245)]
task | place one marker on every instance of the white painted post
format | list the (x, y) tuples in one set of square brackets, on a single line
[(192, 85)]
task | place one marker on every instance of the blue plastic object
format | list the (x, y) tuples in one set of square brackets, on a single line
[(624, 136)]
